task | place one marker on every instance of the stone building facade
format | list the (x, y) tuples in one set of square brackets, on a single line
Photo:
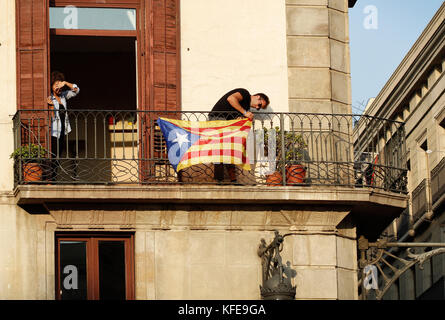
[(179, 241)]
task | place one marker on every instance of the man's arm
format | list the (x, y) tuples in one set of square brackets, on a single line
[(234, 100)]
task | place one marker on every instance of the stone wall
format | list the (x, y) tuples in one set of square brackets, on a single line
[(210, 251), (7, 90), (207, 252), (318, 56), (27, 253), (232, 45)]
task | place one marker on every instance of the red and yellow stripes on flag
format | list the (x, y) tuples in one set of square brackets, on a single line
[(221, 141)]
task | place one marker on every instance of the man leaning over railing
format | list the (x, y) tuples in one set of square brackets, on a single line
[(235, 104)]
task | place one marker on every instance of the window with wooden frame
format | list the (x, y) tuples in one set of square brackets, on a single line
[(94, 266), (158, 47), (157, 31)]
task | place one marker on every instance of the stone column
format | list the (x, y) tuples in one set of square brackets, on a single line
[(319, 82), (318, 56)]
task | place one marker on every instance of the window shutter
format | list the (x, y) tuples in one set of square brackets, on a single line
[(32, 69), (165, 55), (161, 90), (32, 53), (160, 55)]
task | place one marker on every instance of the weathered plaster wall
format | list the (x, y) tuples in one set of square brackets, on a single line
[(230, 44)]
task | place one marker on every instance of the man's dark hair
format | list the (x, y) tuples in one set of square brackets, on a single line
[(266, 98)]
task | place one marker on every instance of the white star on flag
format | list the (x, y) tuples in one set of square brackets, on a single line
[(180, 139)]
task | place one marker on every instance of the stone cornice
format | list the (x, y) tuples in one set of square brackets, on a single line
[(26, 194), (371, 209)]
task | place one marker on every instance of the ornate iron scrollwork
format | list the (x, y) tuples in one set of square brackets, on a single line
[(374, 258)]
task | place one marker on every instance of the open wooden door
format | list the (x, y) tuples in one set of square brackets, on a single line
[(161, 83)]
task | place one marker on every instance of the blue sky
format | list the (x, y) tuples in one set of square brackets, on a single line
[(376, 53)]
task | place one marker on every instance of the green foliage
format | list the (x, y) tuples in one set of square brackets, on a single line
[(294, 147), (29, 151)]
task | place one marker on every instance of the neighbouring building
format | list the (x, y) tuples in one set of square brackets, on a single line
[(109, 218), (415, 95)]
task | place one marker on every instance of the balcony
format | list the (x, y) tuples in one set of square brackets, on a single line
[(438, 183), (127, 147), (121, 157)]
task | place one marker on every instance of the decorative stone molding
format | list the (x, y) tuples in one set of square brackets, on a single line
[(200, 218), (64, 219), (96, 219)]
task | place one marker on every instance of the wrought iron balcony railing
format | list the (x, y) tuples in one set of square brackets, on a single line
[(118, 147)]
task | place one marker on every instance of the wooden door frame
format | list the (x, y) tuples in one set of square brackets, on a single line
[(92, 265), (144, 38), (127, 4), (145, 33), (158, 38)]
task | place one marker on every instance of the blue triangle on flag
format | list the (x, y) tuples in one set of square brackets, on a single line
[(178, 141)]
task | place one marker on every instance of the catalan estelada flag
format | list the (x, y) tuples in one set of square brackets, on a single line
[(195, 142)]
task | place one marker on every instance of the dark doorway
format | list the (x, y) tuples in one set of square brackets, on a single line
[(104, 67)]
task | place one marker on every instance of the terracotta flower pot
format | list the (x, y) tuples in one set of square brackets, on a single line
[(295, 174), (274, 179), (32, 172)]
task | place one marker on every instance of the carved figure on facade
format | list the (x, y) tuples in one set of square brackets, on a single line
[(276, 277)]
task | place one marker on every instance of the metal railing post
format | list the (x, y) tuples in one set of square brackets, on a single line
[(283, 150)]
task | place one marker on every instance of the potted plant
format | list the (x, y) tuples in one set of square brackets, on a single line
[(30, 156), (290, 158)]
